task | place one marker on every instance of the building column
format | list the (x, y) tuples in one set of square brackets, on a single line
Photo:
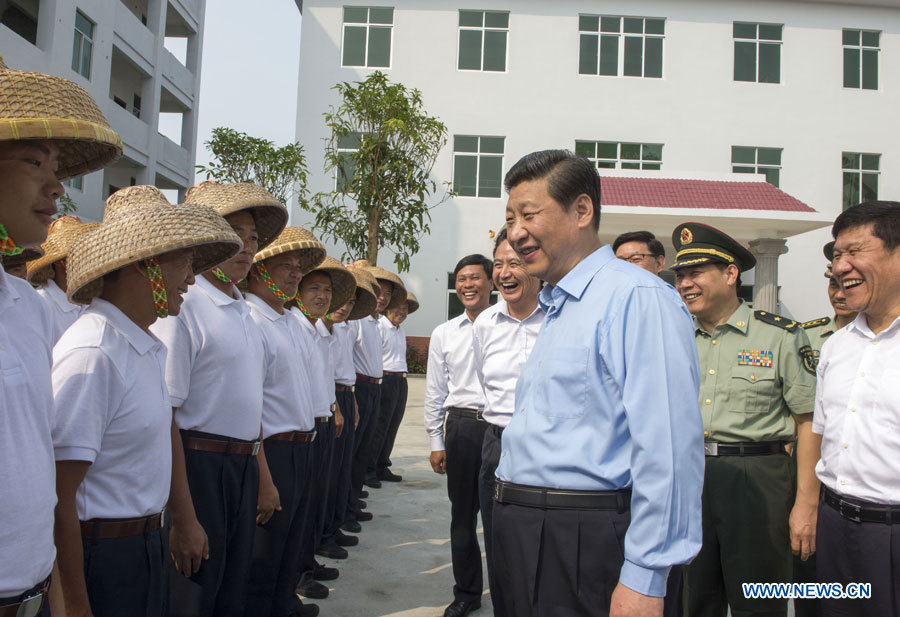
[(765, 288)]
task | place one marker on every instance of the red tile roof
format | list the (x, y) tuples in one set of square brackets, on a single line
[(692, 194)]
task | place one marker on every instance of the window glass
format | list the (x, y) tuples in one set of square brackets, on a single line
[(379, 47), (495, 50)]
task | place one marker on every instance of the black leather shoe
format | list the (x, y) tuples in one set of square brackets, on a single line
[(362, 504), (351, 526), (373, 482), (309, 588), (342, 539), (324, 573), (364, 493), (307, 610), (332, 551), (461, 608), (387, 475), (364, 516)]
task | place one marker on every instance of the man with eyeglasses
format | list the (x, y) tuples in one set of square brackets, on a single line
[(642, 249)]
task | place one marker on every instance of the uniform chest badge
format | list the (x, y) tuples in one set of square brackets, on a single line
[(755, 357)]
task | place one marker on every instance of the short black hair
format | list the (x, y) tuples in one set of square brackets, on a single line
[(567, 174), (475, 260), (884, 214), (653, 245), (500, 239)]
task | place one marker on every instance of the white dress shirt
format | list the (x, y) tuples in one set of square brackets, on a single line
[(858, 412), (344, 340), (214, 367), (367, 349), (113, 411), (393, 346), (321, 375), (27, 471), (287, 399), (501, 344), (64, 312), (451, 380), (328, 343)]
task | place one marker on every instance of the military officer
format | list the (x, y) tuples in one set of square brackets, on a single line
[(757, 386)]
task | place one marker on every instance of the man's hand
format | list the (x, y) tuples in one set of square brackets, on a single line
[(338, 422), (268, 501), (629, 603), (803, 529), (188, 546), (438, 461)]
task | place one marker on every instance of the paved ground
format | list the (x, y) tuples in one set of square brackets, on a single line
[(401, 567)]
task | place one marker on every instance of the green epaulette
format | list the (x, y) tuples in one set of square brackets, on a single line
[(815, 323), (776, 320)]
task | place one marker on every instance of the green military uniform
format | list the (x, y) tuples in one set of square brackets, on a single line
[(757, 371), (818, 331)]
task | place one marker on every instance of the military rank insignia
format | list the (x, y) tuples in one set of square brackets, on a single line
[(810, 359), (755, 357)]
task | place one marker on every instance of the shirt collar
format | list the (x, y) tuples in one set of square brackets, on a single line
[(304, 320), (388, 322), (140, 339), (739, 320), (263, 307), (59, 297), (861, 325), (573, 284), (503, 312), (8, 292), (215, 294)]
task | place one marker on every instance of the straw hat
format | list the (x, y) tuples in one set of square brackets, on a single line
[(366, 294), (141, 223), (399, 295), (39, 106), (60, 237), (343, 283), (412, 302), (270, 214), (295, 240)]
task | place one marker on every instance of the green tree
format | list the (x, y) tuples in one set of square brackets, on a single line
[(238, 157), (382, 149), (65, 206)]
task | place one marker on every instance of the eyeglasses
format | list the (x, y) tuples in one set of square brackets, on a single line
[(637, 257)]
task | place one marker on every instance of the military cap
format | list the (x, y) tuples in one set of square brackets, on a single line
[(697, 244), (828, 251)]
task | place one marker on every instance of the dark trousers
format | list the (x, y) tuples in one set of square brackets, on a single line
[(746, 504), (320, 483), (128, 577), (394, 392), (368, 398), (339, 489), (224, 490), (558, 563), (490, 458), (803, 571), (464, 438), (858, 553), (275, 563)]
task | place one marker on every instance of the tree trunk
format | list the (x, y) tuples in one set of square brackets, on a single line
[(372, 235)]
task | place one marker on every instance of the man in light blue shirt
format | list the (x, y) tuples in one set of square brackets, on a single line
[(601, 470)]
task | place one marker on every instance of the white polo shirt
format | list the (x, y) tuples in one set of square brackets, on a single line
[(113, 410), (321, 376), (328, 350), (501, 344), (393, 346), (64, 312), (451, 380), (367, 348), (344, 340), (214, 368), (858, 412), (287, 394), (27, 470)]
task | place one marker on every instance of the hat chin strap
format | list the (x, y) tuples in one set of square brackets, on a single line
[(267, 279), (158, 286), (219, 274), (8, 245)]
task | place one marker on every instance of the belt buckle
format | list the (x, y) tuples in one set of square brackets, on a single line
[(255, 450), (850, 511), (31, 606), (711, 448), (479, 415), (162, 518), (315, 433), (497, 491)]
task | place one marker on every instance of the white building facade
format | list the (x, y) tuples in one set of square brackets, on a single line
[(119, 51), (804, 93)]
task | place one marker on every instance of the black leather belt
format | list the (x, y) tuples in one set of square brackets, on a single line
[(860, 511), (366, 379), (746, 448), (471, 414), (343, 388), (29, 604), (561, 499), (104, 529)]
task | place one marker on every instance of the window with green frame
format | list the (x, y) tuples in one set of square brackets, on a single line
[(861, 172), (347, 147), (482, 40), (757, 52), (861, 49), (620, 155), (753, 160), (367, 36), (629, 46), (478, 165)]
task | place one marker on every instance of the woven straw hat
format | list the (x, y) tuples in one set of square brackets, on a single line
[(295, 240), (25, 257), (60, 237), (343, 283), (39, 106), (399, 295), (412, 302), (270, 214), (141, 223), (366, 296)]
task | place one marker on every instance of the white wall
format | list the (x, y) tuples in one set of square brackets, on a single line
[(696, 109)]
